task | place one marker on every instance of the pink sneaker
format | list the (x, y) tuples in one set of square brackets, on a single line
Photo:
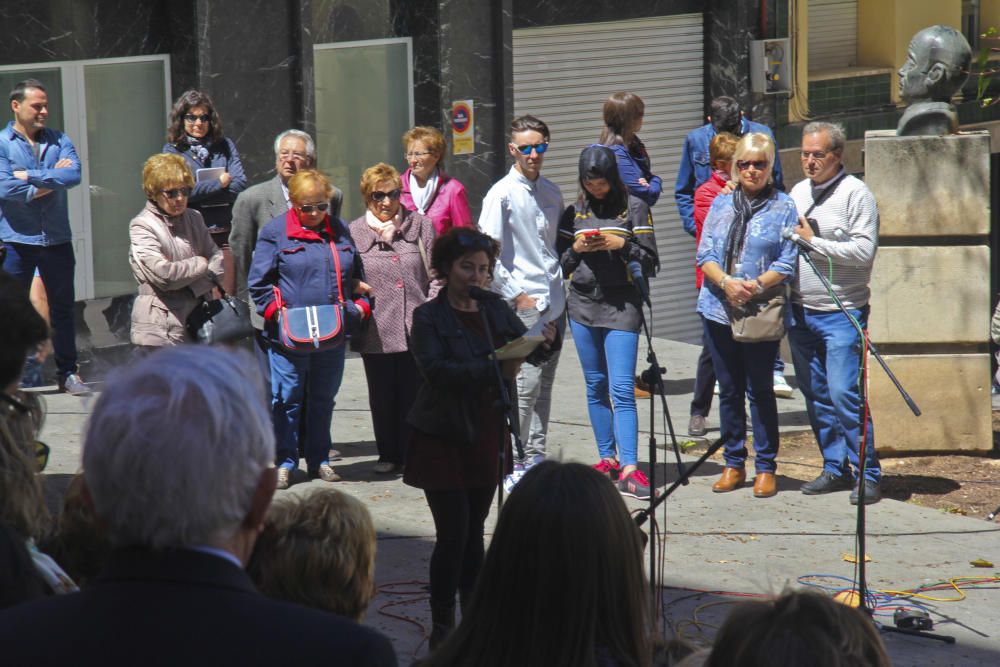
[(635, 484), (610, 468)]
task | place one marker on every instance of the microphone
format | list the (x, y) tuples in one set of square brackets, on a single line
[(480, 294), (639, 280), (787, 233)]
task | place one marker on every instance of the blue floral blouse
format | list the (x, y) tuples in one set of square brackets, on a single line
[(764, 249)]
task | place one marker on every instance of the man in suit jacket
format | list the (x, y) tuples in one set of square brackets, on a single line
[(260, 204), (178, 458)]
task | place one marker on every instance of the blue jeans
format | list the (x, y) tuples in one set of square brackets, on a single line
[(826, 350), (745, 370), (608, 360), (56, 265), (314, 378)]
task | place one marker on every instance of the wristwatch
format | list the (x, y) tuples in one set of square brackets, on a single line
[(760, 286)]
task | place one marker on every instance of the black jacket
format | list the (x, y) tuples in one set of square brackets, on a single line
[(181, 607), (455, 364)]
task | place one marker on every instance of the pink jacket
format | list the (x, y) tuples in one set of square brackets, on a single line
[(449, 205)]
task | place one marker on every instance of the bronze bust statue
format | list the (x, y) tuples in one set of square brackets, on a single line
[(936, 67)]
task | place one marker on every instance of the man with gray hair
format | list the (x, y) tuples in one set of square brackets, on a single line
[(177, 464), (258, 205), (838, 216)]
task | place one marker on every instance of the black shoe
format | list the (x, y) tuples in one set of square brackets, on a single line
[(827, 482), (696, 426), (873, 493)]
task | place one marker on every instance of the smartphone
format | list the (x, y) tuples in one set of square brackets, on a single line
[(592, 234)]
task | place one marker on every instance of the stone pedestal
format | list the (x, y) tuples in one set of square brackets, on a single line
[(930, 305)]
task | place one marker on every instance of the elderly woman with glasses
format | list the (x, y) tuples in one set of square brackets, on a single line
[(742, 253), (195, 133), (394, 244), (304, 258), (171, 254), (426, 188)]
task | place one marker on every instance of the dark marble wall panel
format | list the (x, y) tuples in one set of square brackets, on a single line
[(476, 64), (247, 64), (529, 13)]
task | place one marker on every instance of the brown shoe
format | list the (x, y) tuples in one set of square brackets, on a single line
[(325, 472), (732, 479), (764, 485)]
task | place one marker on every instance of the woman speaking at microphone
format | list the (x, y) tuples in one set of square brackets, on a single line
[(454, 448), (605, 238)]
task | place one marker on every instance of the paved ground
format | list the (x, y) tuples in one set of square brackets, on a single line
[(712, 542)]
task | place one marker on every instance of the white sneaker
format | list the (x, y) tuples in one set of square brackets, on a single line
[(73, 385), (511, 480), (781, 387)]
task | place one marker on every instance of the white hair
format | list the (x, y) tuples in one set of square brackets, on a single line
[(176, 446), (304, 136)]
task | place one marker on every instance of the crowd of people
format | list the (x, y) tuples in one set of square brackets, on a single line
[(426, 296)]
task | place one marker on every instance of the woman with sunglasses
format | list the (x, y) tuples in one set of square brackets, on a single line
[(295, 256), (195, 133), (454, 448), (171, 255), (600, 237), (427, 189), (623, 113), (393, 243), (742, 253)]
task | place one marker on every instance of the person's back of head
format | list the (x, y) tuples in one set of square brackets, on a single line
[(798, 629), (178, 448), (563, 581), (80, 544), (317, 550), (726, 115)]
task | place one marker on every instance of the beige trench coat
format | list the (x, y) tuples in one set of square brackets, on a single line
[(170, 260)]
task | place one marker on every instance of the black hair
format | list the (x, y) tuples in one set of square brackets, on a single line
[(600, 162), (458, 242), (189, 99), (20, 90), (725, 112), (529, 123)]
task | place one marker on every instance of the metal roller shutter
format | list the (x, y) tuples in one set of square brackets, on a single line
[(833, 34), (563, 74)]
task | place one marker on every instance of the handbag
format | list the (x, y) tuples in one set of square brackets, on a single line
[(313, 328), (762, 318), (224, 320)]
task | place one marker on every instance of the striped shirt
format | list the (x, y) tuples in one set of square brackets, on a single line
[(848, 235)]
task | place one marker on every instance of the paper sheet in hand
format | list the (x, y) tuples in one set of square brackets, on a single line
[(210, 174), (519, 348)]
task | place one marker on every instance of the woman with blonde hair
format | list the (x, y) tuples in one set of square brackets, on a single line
[(426, 188), (395, 246), (317, 551), (742, 254), (305, 257), (171, 254)]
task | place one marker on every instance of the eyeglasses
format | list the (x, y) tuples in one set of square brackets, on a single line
[(309, 208), (475, 241), (759, 165), (192, 118), (527, 148), (818, 155), (292, 155), (174, 193), (416, 155), (379, 196)]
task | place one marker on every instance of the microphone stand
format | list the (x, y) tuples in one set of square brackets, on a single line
[(862, 444), (506, 404), (653, 377)]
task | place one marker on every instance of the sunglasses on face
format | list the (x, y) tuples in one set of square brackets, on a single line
[(192, 118), (174, 193), (379, 196), (527, 148), (309, 208), (759, 165)]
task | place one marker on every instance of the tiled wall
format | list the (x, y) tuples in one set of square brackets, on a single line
[(839, 95)]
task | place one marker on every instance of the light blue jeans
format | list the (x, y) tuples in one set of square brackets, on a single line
[(608, 359)]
